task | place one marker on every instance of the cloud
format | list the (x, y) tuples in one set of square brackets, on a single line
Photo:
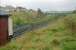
[(43, 4)]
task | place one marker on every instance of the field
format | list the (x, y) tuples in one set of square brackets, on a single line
[(58, 35)]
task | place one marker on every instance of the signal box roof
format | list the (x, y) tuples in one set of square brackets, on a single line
[(4, 13)]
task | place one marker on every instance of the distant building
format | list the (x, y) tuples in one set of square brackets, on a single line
[(20, 9)]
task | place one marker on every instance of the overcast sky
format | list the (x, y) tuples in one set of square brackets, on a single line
[(51, 5)]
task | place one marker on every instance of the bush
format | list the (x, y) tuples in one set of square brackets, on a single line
[(55, 42), (70, 24)]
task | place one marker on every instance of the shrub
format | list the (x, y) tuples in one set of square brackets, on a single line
[(55, 42), (70, 24)]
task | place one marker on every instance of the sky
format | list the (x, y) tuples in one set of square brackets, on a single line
[(52, 5)]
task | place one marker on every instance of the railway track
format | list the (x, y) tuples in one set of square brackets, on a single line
[(19, 30)]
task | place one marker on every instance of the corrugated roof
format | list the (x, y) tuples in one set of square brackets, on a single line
[(3, 12)]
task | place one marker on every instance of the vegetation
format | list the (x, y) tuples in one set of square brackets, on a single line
[(60, 34)]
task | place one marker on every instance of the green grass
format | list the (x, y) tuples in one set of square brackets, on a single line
[(20, 18), (26, 18), (54, 37)]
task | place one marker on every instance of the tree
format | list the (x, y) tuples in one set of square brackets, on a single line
[(39, 13)]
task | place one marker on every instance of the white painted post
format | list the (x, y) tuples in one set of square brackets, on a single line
[(10, 26)]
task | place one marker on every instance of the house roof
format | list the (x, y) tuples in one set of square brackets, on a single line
[(3, 12)]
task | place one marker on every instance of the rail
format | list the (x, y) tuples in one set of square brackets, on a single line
[(19, 30)]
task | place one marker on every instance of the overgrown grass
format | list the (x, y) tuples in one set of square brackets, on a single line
[(54, 37), (23, 17), (20, 18)]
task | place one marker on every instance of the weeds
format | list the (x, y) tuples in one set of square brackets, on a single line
[(70, 25)]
